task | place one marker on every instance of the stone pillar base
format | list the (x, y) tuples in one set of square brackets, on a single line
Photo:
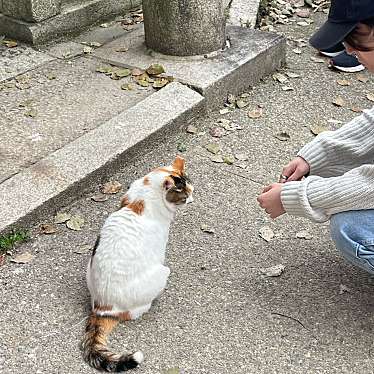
[(72, 20)]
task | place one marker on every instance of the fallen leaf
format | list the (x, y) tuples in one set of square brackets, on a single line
[(87, 50), (122, 49), (370, 96), (23, 258), (105, 69), (31, 113), (75, 223), (127, 87), (217, 132), (255, 113), (343, 289), (224, 111), (62, 217), (304, 234), (51, 76), (339, 102), (280, 78), (191, 129), (241, 157), (9, 43), (356, 110), (241, 103), (99, 198), (217, 159), (2, 260), (159, 83), (83, 249), (317, 60), (297, 51), (317, 129), (283, 136), (287, 88), (155, 69), (228, 159), (142, 83), (231, 99), (136, 72), (213, 148), (292, 75), (343, 82), (241, 166), (207, 229), (273, 271), (121, 73), (47, 228), (172, 371), (112, 187), (94, 44), (266, 233), (362, 78), (303, 13)]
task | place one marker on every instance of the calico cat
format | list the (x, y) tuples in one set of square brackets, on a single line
[(126, 271)]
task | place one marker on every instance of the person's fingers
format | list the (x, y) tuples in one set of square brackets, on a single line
[(267, 188)]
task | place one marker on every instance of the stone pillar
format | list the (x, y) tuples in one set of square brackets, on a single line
[(31, 10), (184, 27)]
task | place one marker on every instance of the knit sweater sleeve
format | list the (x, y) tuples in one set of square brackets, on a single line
[(317, 198), (341, 172), (333, 153)]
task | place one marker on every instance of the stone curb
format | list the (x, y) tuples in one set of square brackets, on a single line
[(61, 177)]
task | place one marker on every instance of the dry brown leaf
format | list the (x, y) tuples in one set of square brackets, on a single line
[(343, 82), (317, 129), (136, 72), (370, 96), (112, 187), (266, 233), (273, 271), (362, 78), (23, 258), (47, 228), (191, 129), (255, 113), (339, 102), (99, 198), (317, 60), (62, 217), (75, 223), (356, 109), (217, 132), (281, 78)]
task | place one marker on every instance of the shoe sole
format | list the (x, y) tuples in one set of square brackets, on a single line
[(331, 54), (352, 69)]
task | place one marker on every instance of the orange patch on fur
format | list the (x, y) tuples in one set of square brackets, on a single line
[(146, 181), (165, 170), (125, 201), (102, 308), (137, 206), (178, 165), (124, 316)]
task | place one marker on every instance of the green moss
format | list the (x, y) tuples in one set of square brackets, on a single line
[(8, 241)]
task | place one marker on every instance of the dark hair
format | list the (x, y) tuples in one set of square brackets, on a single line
[(362, 37)]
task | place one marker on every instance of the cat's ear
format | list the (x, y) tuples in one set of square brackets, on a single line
[(168, 183), (178, 165)]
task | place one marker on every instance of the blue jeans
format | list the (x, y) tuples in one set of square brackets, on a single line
[(353, 234)]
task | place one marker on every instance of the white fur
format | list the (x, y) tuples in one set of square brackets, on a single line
[(127, 271)]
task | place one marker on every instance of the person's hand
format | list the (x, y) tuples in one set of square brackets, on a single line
[(270, 200), (295, 170)]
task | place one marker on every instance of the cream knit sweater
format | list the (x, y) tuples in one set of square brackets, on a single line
[(341, 172)]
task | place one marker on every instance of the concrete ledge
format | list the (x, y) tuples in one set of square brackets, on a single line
[(253, 54), (60, 178), (71, 20)]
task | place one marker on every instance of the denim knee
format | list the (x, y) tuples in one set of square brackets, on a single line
[(353, 234)]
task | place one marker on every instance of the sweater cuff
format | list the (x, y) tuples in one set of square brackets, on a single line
[(291, 198), (314, 155)]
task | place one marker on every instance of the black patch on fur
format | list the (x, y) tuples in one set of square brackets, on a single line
[(95, 246), (180, 182)]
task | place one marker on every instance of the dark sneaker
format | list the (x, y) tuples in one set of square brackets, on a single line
[(347, 63), (333, 51)]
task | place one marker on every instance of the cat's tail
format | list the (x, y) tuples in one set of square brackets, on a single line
[(96, 352)]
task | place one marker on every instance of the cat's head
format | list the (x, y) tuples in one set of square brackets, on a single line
[(168, 182), (176, 185)]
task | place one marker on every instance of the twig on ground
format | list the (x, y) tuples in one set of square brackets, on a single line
[(289, 317)]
